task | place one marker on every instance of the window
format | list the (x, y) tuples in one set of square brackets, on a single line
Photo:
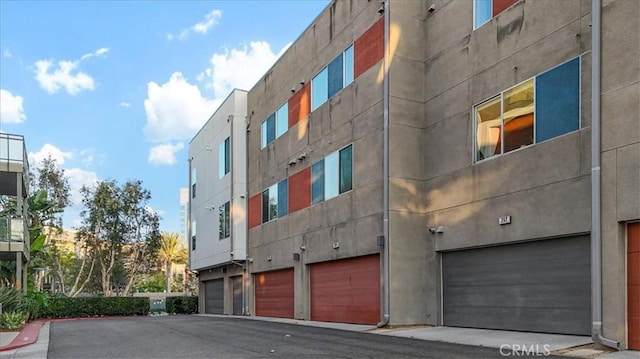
[(333, 78), (484, 10), (274, 201), (193, 183), (317, 182), (275, 125), (224, 157), (224, 220), (319, 89), (332, 175), (481, 12), (533, 111), (193, 235)]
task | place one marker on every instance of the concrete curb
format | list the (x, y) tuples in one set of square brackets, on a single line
[(28, 335)]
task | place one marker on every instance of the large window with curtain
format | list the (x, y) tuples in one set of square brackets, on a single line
[(533, 111)]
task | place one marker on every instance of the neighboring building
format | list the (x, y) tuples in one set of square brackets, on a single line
[(217, 207), (184, 214), (451, 163), (14, 183)]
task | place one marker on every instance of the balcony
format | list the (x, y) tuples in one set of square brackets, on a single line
[(14, 189), (13, 238)]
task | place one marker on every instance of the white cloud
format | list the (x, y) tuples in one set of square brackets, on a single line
[(240, 68), (202, 27), (48, 150), (124, 104), (210, 19), (65, 74), (99, 52), (7, 53), (11, 110), (175, 109), (164, 154), (78, 178)]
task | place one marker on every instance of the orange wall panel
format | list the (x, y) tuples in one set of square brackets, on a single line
[(300, 190), (300, 104), (633, 285), (255, 210), (368, 49), (500, 5)]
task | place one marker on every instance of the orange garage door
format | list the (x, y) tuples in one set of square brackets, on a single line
[(633, 284), (274, 293), (346, 290)]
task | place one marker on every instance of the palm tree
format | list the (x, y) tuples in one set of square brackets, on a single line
[(171, 251)]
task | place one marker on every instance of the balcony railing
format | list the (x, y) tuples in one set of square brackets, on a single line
[(13, 229), (13, 151)]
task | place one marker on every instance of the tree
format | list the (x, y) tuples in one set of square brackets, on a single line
[(171, 251), (120, 229)]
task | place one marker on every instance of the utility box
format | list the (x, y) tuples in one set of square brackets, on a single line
[(157, 305)]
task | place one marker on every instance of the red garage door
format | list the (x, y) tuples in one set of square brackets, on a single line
[(274, 293), (633, 284), (346, 290)]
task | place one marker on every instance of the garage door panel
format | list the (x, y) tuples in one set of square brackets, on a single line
[(346, 290), (512, 319), (274, 296), (541, 286), (573, 295), (558, 248), (519, 272), (214, 296)]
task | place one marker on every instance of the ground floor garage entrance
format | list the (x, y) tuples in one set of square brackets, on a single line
[(538, 286), (214, 296), (346, 290), (274, 293)]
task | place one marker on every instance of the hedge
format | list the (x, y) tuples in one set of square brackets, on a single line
[(94, 307), (182, 305)]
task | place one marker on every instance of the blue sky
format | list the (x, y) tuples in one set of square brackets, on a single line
[(117, 89)]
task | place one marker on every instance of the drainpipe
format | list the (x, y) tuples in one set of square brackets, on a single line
[(385, 172), (231, 204), (596, 218)]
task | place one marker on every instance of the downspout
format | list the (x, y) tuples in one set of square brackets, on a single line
[(596, 218), (245, 271), (231, 205), (385, 172)]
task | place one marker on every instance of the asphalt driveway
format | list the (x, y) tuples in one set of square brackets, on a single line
[(208, 337)]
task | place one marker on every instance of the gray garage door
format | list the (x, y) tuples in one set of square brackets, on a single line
[(541, 286), (237, 295), (214, 296)]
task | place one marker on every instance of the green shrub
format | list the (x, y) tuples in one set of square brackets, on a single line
[(36, 303), (95, 307), (11, 298), (13, 319), (182, 305)]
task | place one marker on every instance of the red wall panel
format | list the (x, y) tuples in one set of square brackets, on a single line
[(300, 104), (633, 285), (368, 49), (500, 5), (274, 293), (300, 190), (255, 210), (346, 290)]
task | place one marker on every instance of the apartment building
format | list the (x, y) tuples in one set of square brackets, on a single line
[(217, 207), (457, 163), (14, 185)]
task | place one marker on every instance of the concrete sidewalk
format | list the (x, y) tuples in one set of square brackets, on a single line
[(37, 349)]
